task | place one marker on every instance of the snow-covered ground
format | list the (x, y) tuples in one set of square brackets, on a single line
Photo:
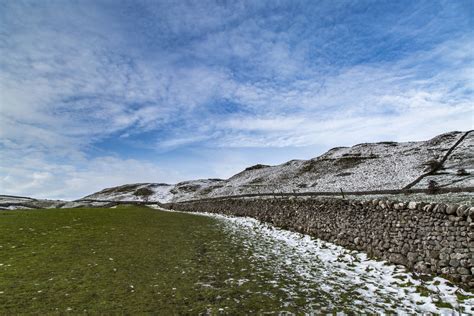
[(461, 158), (127, 192), (325, 275), (162, 192), (21, 203), (363, 167), (8, 202), (385, 165)]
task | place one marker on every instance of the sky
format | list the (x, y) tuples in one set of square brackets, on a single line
[(100, 93)]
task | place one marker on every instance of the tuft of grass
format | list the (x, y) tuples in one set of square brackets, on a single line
[(423, 291), (423, 277), (407, 284), (461, 297), (442, 304)]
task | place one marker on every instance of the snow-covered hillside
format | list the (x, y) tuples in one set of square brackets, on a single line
[(376, 166), (8, 202), (127, 192), (161, 192), (458, 170)]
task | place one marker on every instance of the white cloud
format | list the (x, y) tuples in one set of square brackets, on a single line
[(263, 124), (73, 180)]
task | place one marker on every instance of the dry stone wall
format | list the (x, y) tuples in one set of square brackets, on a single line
[(426, 238)]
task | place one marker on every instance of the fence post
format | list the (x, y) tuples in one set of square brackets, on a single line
[(342, 192)]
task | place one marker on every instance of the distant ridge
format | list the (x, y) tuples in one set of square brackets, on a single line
[(447, 159)]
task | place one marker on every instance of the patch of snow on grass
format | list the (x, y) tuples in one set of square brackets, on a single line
[(350, 279)]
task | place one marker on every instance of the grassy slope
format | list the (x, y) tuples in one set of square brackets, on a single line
[(128, 259)]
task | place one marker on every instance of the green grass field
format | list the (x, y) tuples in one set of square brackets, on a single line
[(123, 260), (135, 260)]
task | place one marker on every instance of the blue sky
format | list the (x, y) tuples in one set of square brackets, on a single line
[(101, 93)]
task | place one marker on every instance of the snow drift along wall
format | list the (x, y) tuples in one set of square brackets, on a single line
[(426, 238)]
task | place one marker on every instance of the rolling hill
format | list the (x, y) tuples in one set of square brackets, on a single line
[(447, 159)]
